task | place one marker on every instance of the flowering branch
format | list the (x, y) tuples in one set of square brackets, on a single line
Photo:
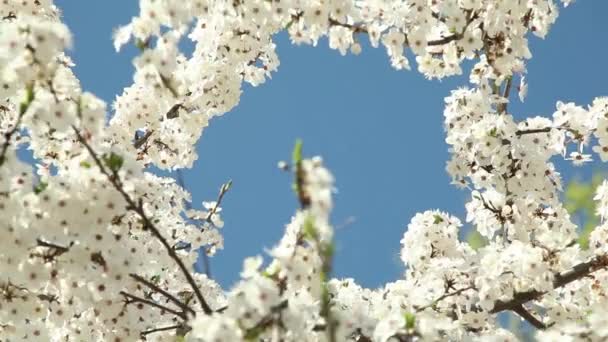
[(446, 295), (139, 210), (29, 97), (158, 289), (577, 272)]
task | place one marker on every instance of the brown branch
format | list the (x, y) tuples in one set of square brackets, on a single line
[(139, 210), (353, 27), (502, 107), (265, 321), (129, 298), (158, 289), (533, 131), (154, 330), (445, 40), (188, 205), (42, 243), (139, 142), (577, 272), (22, 109), (446, 295), (525, 314), (223, 190)]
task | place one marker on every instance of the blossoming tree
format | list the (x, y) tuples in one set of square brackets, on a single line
[(96, 247)]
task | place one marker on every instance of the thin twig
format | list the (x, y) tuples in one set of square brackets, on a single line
[(133, 298), (23, 107), (446, 295), (188, 205), (223, 190), (138, 208), (158, 289), (533, 131), (42, 243), (154, 330)]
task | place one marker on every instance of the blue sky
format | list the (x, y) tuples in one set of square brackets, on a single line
[(379, 130)]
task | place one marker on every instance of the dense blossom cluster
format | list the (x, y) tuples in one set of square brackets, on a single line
[(64, 278)]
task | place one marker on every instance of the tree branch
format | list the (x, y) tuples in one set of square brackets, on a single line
[(23, 107), (135, 299), (446, 295), (158, 289), (577, 272), (502, 107), (206, 261), (525, 314), (142, 140), (533, 131), (139, 210), (223, 190), (154, 330)]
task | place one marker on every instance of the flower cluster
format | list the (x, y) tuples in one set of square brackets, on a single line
[(96, 247)]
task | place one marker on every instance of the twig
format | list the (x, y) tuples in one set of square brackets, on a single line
[(140, 141), (502, 107), (60, 249), (266, 321), (223, 190), (133, 298), (188, 205), (138, 208), (158, 289), (23, 107), (446, 295), (533, 131), (525, 314), (154, 330)]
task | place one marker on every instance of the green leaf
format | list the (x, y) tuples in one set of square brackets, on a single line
[(113, 161), (40, 187), (296, 155), (410, 320), (85, 164), (328, 250), (309, 229), (493, 132), (142, 44), (476, 240), (29, 98), (437, 219)]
